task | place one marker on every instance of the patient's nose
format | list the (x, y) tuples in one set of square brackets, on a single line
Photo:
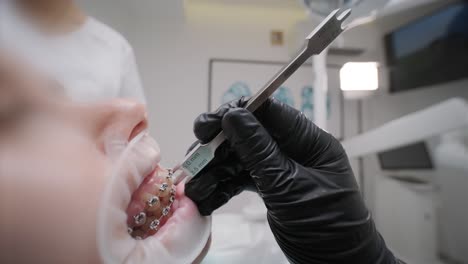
[(117, 119)]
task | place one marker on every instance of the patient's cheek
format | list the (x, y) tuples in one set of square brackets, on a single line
[(54, 191), (151, 205)]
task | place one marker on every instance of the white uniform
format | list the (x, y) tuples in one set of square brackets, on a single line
[(92, 63)]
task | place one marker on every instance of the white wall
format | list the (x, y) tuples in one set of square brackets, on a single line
[(385, 107), (380, 109), (173, 58)]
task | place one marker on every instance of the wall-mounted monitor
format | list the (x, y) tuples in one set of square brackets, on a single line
[(431, 50), (411, 157)]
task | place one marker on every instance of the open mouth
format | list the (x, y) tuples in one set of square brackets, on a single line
[(154, 203), (139, 192)]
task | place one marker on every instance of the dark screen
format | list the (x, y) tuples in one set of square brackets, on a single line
[(429, 51), (414, 156)]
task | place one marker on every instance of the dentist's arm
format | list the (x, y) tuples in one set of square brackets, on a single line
[(303, 175)]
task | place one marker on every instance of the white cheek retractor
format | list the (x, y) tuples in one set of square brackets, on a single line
[(180, 240)]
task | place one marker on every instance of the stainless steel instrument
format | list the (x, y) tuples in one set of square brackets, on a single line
[(315, 43)]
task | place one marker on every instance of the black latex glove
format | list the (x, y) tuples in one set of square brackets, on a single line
[(303, 175)]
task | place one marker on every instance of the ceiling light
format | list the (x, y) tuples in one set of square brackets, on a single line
[(359, 76)]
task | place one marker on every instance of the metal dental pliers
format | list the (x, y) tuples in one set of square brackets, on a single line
[(315, 43)]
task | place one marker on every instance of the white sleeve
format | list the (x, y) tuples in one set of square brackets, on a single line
[(130, 86)]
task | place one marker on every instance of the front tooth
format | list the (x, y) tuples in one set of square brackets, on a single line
[(167, 175), (150, 199), (154, 209), (140, 219), (154, 225), (155, 189), (166, 210), (153, 201), (138, 234), (163, 187), (171, 192), (170, 174), (167, 189)]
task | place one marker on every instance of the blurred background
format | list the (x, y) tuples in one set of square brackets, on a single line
[(393, 88)]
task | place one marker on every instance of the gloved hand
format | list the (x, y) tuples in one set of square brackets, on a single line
[(303, 175)]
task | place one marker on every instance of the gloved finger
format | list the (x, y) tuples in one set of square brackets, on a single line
[(210, 188), (298, 137), (208, 125), (255, 148), (206, 181), (194, 144), (216, 186)]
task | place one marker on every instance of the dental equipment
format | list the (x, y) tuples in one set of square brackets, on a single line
[(322, 36)]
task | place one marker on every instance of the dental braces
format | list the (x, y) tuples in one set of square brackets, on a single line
[(141, 219)]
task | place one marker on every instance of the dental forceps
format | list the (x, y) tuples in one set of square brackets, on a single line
[(322, 36)]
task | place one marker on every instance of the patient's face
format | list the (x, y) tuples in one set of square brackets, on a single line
[(54, 167)]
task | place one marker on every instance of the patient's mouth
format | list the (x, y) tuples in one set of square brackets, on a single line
[(152, 204)]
